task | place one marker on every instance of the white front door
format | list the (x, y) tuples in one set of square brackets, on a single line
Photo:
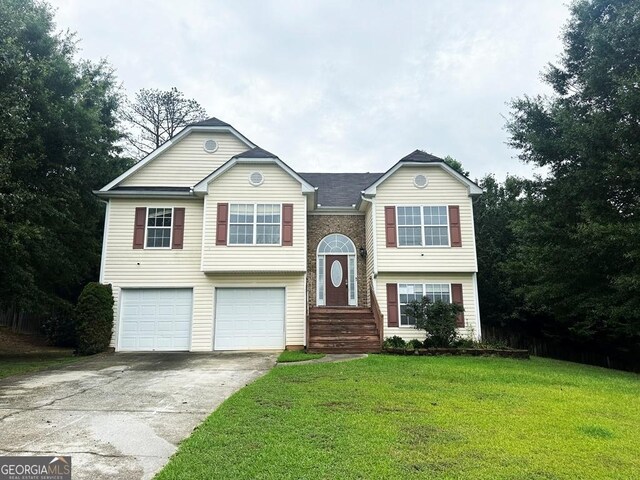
[(249, 319), (154, 319)]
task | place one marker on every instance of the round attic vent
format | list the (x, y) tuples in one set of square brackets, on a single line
[(256, 179), (210, 146), (420, 181)]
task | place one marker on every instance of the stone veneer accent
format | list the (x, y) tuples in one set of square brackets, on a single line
[(318, 227)]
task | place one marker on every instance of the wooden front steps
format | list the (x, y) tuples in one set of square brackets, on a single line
[(342, 330)]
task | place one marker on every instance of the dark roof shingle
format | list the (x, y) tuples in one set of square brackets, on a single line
[(210, 122), (255, 152), (420, 156), (340, 189)]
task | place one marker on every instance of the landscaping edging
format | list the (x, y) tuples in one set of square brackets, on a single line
[(473, 352)]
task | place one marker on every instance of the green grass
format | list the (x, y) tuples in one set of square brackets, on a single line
[(297, 356), (14, 365), (422, 417)]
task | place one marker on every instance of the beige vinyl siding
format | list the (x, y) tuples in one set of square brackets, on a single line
[(369, 245), (443, 189), (233, 187), (186, 163), (294, 284), (125, 267), (469, 294)]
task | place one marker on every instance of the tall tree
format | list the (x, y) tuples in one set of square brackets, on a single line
[(156, 115), (456, 165), (57, 137), (579, 252)]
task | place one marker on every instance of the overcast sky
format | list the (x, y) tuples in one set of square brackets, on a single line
[(337, 85)]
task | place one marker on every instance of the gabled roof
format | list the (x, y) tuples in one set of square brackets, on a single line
[(421, 156), (255, 152), (340, 189), (212, 124), (254, 155), (418, 157)]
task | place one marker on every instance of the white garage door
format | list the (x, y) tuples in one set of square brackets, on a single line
[(249, 318), (155, 319)]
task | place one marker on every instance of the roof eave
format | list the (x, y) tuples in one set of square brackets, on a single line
[(202, 185), (165, 146), (472, 188), (143, 194)]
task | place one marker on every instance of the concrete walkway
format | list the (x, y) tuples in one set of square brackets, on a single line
[(119, 415)]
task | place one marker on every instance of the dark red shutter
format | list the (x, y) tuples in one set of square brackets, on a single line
[(390, 226), (287, 225), (392, 304), (178, 228), (454, 226), (138, 230), (456, 297), (222, 224)]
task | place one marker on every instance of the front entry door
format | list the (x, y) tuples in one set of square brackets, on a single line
[(336, 280)]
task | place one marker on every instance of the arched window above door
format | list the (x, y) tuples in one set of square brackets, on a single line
[(336, 243)]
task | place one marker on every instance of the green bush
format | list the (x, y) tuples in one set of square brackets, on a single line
[(438, 319), (94, 315), (415, 343), (59, 325), (394, 342)]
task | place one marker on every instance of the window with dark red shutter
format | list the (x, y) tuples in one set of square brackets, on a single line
[(287, 225), (390, 226), (392, 305), (456, 297), (178, 228), (222, 223), (454, 226), (139, 226)]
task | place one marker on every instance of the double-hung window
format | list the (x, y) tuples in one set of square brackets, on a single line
[(254, 224), (423, 226), (158, 233), (408, 292)]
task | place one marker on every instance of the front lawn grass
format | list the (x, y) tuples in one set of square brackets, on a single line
[(297, 356), (14, 365), (422, 417)]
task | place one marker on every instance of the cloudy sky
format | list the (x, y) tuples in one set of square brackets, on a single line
[(337, 85)]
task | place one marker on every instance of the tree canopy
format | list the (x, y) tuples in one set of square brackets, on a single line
[(57, 142), (565, 249), (156, 115)]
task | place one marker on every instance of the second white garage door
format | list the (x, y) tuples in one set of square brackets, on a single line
[(249, 318)]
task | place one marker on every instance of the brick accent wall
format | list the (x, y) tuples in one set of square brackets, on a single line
[(318, 227)]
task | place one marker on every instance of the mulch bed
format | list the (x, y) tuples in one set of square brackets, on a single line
[(473, 352)]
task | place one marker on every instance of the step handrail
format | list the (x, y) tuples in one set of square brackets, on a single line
[(377, 314)]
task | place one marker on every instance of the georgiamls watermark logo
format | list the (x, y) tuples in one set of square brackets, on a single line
[(35, 468)]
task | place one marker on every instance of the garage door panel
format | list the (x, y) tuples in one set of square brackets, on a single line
[(249, 318), (155, 319)]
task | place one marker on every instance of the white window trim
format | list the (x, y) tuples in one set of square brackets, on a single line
[(424, 290), (422, 227), (255, 225), (146, 228)]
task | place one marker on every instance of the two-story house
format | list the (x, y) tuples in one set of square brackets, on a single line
[(212, 243)]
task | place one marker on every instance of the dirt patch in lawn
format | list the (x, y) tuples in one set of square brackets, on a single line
[(23, 345)]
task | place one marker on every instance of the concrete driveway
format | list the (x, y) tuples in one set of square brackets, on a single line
[(120, 415)]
